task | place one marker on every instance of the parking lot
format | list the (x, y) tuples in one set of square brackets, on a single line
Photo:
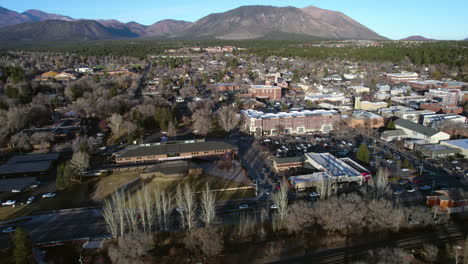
[(294, 146)]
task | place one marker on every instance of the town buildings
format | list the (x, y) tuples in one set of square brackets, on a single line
[(226, 87), (442, 108), (369, 106), (461, 144), (436, 151), (364, 119), (445, 96), (330, 168), (176, 150), (266, 92), (293, 122), (401, 77), (416, 131)]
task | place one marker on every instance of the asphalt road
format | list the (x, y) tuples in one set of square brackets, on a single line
[(258, 168), (358, 252), (59, 226)]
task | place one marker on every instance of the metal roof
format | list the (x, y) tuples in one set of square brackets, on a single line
[(174, 147), (427, 131), (461, 143), (32, 163)]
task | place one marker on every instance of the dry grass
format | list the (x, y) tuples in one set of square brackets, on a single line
[(109, 184), (197, 183), (7, 212)]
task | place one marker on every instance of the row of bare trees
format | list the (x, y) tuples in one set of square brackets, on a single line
[(147, 212)]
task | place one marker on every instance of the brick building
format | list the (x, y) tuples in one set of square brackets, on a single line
[(266, 92), (226, 87), (445, 96), (294, 122), (365, 119), (446, 109), (423, 85)]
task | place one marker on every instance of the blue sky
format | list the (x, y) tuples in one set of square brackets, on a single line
[(394, 19)]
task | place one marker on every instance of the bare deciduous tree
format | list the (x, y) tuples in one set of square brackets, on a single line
[(131, 249), (202, 121), (228, 118), (208, 212), (116, 124), (80, 161), (189, 204), (207, 241), (180, 202), (280, 198), (167, 207), (378, 184), (114, 214)]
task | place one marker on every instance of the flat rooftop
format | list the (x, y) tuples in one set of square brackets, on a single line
[(175, 147), (261, 115), (334, 166), (32, 163)]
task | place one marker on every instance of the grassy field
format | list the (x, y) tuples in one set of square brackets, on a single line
[(197, 183), (108, 184)]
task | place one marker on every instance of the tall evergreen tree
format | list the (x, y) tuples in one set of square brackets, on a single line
[(363, 154)]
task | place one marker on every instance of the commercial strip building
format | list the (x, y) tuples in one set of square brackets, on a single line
[(330, 168), (401, 77), (176, 150), (436, 151), (281, 164), (436, 120), (337, 98), (368, 106), (416, 131), (294, 122), (461, 144)]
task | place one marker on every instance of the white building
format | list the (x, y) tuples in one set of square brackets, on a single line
[(461, 144), (417, 131)]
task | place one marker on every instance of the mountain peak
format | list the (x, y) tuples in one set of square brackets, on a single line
[(38, 15)]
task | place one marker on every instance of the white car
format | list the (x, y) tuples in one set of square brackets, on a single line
[(9, 230), (405, 169), (243, 206), (30, 200), (454, 161), (48, 195), (9, 202), (274, 206)]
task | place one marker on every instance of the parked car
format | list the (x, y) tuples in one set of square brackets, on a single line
[(30, 200), (425, 187), (243, 206), (397, 191), (9, 202), (48, 195), (404, 169), (410, 189), (274, 206), (9, 229)]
